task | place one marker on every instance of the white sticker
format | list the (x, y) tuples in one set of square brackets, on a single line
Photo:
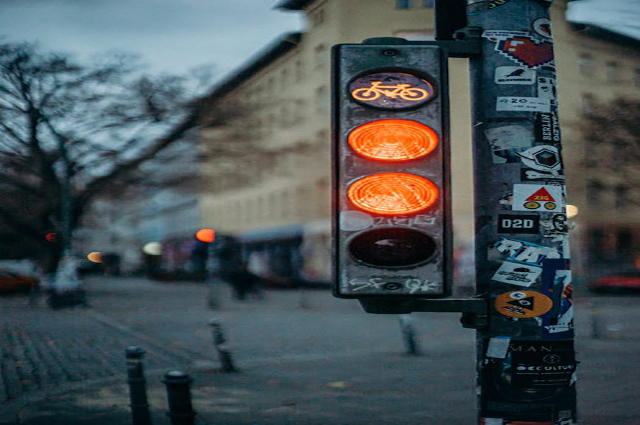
[(517, 274), (501, 34), (355, 220), (547, 89), (542, 26), (498, 347), (524, 104), (533, 197), (514, 75), (493, 421), (507, 140)]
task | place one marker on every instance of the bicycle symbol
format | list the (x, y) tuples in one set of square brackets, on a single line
[(404, 91)]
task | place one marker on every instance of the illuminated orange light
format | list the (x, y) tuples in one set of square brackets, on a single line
[(393, 193), (94, 257), (206, 235), (393, 140)]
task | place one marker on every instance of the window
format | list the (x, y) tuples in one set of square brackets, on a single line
[(428, 3), (585, 64), (594, 193), (612, 72), (621, 194), (588, 103), (403, 4), (322, 99), (321, 55), (298, 70)]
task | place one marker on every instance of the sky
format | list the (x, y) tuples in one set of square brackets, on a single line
[(170, 35), (176, 35)]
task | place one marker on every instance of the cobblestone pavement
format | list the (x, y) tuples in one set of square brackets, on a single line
[(41, 348)]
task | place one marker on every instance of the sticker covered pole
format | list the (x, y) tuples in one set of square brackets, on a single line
[(526, 357)]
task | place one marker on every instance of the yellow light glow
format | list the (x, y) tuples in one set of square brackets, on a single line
[(572, 211), (94, 257)]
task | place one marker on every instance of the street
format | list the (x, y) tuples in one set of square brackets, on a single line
[(305, 357)]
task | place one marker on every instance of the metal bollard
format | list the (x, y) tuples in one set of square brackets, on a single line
[(179, 398), (409, 335), (137, 386), (219, 342)]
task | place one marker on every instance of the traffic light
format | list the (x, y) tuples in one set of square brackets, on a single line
[(392, 230)]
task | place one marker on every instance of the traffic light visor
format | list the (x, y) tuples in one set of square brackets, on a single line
[(393, 193), (393, 140)]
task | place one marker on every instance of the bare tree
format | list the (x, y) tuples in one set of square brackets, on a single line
[(69, 133)]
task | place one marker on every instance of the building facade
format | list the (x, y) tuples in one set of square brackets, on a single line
[(266, 136)]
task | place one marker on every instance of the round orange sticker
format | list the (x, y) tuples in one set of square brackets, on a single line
[(523, 304)]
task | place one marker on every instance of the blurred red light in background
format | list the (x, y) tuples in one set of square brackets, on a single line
[(206, 235)]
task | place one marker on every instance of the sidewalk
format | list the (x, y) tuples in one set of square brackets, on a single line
[(305, 358)]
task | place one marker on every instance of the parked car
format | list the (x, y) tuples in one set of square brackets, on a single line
[(627, 281), (13, 282)]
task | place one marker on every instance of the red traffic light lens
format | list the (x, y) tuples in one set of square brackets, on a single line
[(392, 247), (393, 140), (393, 193)]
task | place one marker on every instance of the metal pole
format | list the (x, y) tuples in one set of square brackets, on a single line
[(526, 357), (409, 335), (220, 344), (179, 398), (137, 386)]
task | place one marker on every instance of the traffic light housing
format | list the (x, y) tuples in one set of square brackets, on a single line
[(391, 206)]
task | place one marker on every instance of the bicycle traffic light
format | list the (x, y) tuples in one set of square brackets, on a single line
[(392, 231)]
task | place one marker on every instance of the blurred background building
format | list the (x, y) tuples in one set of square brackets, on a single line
[(264, 146)]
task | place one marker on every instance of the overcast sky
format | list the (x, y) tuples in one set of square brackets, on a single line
[(170, 35), (175, 35)]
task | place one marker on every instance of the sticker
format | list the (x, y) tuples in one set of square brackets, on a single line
[(547, 89), (556, 283), (492, 421), (418, 220), (523, 104), (496, 35), (476, 6), (498, 347), (507, 140), (538, 364), (533, 197), (555, 227), (514, 75), (523, 304), (389, 284), (542, 158), (355, 220), (526, 224), (532, 175), (542, 26), (517, 274), (547, 128), (525, 252), (526, 51)]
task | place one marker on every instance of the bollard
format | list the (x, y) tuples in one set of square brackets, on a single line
[(219, 342), (137, 386), (179, 398), (409, 335)]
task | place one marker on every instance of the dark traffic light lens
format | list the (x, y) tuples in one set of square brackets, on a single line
[(392, 247)]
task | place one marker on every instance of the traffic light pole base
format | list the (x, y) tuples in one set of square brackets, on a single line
[(475, 311)]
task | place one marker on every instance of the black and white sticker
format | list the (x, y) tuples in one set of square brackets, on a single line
[(547, 128), (542, 26), (523, 104), (518, 224), (517, 274), (514, 75)]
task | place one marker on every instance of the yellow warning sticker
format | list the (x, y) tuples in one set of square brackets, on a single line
[(523, 304)]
